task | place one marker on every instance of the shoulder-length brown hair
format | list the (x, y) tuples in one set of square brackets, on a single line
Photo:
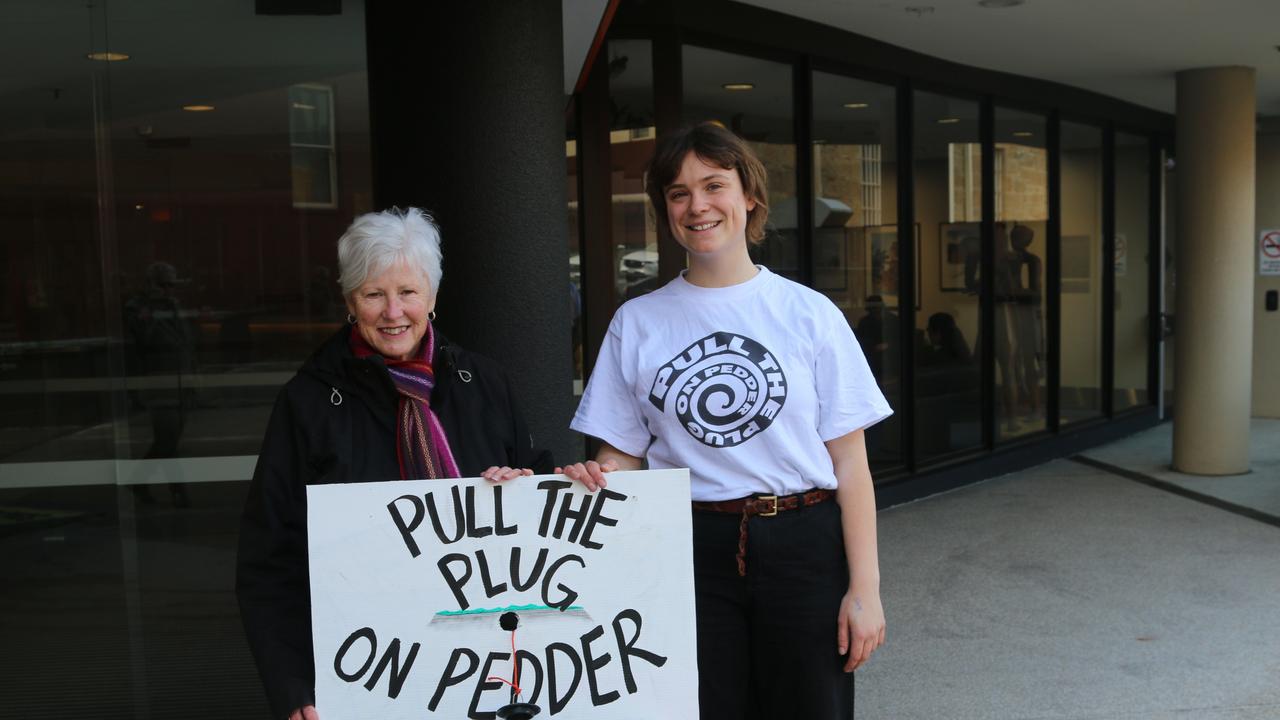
[(715, 145)]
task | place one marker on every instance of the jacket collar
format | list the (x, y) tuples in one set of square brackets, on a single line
[(336, 366)]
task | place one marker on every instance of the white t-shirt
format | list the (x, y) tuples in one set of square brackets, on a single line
[(741, 384)]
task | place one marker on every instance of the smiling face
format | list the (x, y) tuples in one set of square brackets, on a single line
[(707, 209), (391, 310)]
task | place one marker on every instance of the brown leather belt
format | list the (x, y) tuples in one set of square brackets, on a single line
[(764, 506)]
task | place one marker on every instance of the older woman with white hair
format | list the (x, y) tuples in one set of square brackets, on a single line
[(385, 398)]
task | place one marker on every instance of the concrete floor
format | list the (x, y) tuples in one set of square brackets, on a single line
[(1148, 453), (1067, 591)]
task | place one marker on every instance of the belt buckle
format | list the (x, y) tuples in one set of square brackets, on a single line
[(772, 511)]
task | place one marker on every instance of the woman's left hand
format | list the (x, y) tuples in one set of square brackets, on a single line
[(504, 473), (861, 627)]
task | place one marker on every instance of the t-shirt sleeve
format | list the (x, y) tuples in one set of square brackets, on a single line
[(848, 397), (608, 409)]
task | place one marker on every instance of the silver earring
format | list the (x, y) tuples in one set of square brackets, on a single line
[(351, 319), (431, 316)]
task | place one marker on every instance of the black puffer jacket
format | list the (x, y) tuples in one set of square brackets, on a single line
[(334, 422)]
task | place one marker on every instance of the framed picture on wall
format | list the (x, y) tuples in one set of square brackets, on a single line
[(959, 256), (881, 258)]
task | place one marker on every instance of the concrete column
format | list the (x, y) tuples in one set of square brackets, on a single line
[(1215, 215), (467, 108)]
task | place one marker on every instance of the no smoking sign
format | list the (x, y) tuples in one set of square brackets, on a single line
[(1269, 252)]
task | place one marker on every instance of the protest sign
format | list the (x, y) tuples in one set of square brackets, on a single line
[(423, 591)]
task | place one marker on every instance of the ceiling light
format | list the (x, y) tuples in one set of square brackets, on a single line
[(1000, 3), (302, 106), (948, 121), (1023, 133), (739, 86), (855, 106), (197, 108), (107, 56)]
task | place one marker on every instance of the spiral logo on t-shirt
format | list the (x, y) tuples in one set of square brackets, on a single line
[(725, 389)]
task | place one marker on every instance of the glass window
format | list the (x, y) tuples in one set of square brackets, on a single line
[(1022, 214), (948, 204), (170, 244), (631, 140), (1132, 254), (1168, 275), (54, 364), (575, 250), (61, 554), (752, 97), (1081, 356), (855, 223)]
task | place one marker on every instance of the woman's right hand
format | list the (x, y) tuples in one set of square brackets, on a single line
[(306, 712), (590, 473)]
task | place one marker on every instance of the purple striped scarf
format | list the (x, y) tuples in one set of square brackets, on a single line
[(422, 449)]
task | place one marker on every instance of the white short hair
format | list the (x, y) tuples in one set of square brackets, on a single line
[(376, 241)]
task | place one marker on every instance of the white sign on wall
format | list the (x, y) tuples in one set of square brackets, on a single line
[(1269, 252), (1121, 252), (416, 584)]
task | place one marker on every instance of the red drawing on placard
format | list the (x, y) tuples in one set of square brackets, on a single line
[(1271, 245)]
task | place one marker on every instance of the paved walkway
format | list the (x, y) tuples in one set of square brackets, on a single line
[(1100, 587)]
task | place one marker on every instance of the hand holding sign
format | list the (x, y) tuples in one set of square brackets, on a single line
[(590, 473), (503, 474), (608, 459)]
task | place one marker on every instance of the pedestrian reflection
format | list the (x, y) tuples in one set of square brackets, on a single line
[(161, 360)]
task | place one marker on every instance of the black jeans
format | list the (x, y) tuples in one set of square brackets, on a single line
[(767, 642)]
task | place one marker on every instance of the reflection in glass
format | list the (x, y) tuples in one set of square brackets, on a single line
[(1022, 214), (311, 139), (762, 116), (631, 138), (1080, 396), (1133, 206), (855, 216), (60, 549), (575, 250), (53, 327), (1168, 274), (311, 115), (168, 271), (948, 203)]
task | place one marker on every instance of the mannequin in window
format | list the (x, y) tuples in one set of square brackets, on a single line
[(1029, 325)]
